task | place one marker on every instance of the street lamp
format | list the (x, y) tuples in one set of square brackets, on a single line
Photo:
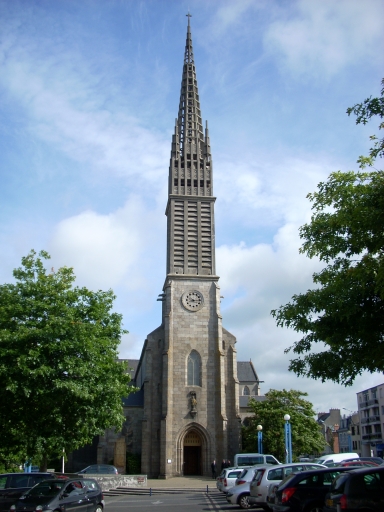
[(259, 439), (288, 439)]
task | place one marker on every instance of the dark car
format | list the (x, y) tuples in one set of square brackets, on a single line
[(100, 469), (13, 485), (359, 489), (305, 491), (72, 495)]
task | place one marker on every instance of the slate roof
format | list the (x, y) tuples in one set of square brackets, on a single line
[(244, 399), (132, 366), (246, 372)]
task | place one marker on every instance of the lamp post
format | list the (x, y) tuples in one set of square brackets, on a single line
[(259, 438), (288, 439)]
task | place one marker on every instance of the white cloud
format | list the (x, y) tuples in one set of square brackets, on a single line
[(270, 192), (255, 280), (230, 13), (110, 250), (323, 37)]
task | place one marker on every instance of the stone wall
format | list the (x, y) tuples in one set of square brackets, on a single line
[(108, 482)]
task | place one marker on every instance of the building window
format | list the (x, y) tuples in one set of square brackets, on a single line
[(194, 369), (246, 391)]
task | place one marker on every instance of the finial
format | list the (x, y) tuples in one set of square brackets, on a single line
[(189, 16)]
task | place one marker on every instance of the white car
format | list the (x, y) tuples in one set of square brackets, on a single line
[(227, 478), (268, 478)]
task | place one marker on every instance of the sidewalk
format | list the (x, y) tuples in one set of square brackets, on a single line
[(182, 482)]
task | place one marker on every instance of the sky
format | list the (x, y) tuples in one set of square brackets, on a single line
[(89, 93)]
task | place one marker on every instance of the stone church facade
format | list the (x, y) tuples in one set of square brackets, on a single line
[(191, 397)]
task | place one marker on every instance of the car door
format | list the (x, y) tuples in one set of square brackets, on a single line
[(93, 492), (4, 502), (74, 498), (15, 486)]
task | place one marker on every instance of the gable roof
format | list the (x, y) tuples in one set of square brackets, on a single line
[(246, 372)]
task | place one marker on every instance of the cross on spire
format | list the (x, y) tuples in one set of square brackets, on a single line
[(189, 16)]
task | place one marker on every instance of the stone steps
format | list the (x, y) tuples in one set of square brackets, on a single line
[(159, 490)]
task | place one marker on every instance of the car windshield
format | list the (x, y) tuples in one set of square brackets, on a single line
[(47, 488)]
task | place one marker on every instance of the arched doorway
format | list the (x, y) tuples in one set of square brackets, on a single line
[(192, 453)]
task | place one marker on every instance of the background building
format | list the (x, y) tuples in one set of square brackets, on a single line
[(371, 413)]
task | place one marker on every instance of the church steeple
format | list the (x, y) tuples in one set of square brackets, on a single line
[(190, 202)]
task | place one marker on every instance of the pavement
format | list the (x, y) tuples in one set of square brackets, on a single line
[(182, 482)]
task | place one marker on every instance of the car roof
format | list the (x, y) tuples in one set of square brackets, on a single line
[(367, 469), (306, 463), (34, 473), (307, 472)]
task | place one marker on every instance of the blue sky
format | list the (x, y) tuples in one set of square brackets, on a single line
[(89, 92)]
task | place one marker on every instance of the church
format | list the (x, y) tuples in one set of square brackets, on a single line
[(193, 393)]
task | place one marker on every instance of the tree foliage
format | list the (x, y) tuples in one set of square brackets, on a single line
[(60, 378), (306, 436), (344, 313), (364, 111)]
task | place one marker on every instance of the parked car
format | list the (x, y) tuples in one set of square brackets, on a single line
[(247, 475), (72, 495), (104, 469), (332, 459), (358, 463), (268, 478), (227, 478), (305, 491), (378, 460), (13, 485), (239, 493), (359, 489)]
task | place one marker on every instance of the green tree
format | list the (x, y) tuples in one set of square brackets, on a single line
[(306, 435), (344, 313), (364, 111), (60, 378)]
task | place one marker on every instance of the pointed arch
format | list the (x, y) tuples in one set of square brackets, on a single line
[(246, 391), (194, 369), (207, 447)]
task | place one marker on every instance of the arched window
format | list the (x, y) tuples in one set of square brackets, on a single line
[(194, 369), (246, 391)]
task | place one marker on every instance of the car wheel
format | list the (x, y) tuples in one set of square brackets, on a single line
[(99, 508), (243, 501)]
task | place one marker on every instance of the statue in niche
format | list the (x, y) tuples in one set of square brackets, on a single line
[(193, 410)]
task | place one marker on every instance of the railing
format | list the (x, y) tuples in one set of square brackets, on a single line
[(371, 436), (371, 419)]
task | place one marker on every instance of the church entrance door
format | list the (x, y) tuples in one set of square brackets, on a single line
[(192, 454)]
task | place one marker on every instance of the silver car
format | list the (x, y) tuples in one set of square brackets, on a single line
[(239, 493), (268, 478)]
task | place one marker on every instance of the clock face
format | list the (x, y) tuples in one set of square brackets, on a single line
[(192, 300)]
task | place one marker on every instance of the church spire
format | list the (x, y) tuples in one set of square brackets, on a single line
[(190, 201)]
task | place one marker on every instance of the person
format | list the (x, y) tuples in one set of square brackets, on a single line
[(223, 465), (228, 463), (213, 467)]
